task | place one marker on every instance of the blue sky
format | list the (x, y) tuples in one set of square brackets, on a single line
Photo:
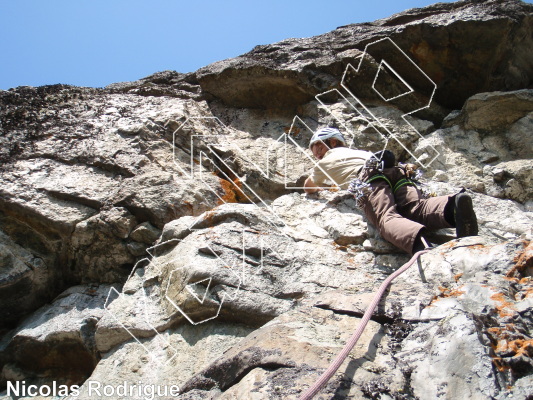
[(98, 42)]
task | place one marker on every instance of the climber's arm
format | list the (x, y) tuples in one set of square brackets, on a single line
[(310, 186)]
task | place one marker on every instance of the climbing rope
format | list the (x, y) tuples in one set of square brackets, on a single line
[(334, 366)]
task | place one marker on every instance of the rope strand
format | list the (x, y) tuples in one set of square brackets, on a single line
[(350, 344)]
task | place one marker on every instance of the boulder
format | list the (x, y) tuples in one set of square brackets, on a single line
[(56, 341), (482, 149)]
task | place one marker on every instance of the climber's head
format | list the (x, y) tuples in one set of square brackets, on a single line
[(325, 139)]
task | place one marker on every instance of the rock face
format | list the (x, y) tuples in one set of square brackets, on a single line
[(488, 42), (156, 231), (80, 173)]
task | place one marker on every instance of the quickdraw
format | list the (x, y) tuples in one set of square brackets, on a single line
[(360, 190)]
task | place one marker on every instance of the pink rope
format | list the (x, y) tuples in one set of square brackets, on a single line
[(334, 366)]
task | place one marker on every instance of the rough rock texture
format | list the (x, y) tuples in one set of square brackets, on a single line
[(82, 170), (154, 231), (58, 341), (486, 42)]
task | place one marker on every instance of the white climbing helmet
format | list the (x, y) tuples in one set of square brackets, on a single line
[(327, 133)]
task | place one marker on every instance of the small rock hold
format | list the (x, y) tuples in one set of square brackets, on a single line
[(514, 190), (497, 174), (440, 176), (177, 229), (120, 220), (137, 249), (145, 233)]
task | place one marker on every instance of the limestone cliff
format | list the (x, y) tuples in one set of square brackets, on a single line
[(155, 231)]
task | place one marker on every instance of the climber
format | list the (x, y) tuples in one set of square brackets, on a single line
[(392, 202)]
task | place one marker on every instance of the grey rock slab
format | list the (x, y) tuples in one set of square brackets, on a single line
[(97, 248), (29, 195), (24, 281), (502, 219), (58, 337), (160, 197), (447, 360), (327, 215), (128, 315), (494, 160), (248, 273), (165, 360), (490, 111), (295, 347), (277, 272), (76, 167)]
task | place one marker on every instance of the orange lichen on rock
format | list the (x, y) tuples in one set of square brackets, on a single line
[(505, 349), (517, 347), (339, 246), (523, 262), (446, 292), (189, 206), (457, 277), (229, 195), (241, 197), (500, 366), (507, 345), (428, 59), (515, 280), (232, 191), (293, 132), (448, 245), (505, 308), (208, 217), (478, 247), (497, 331)]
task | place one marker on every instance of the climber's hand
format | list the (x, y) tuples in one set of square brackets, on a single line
[(310, 186)]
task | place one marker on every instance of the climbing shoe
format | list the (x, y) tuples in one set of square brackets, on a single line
[(465, 217)]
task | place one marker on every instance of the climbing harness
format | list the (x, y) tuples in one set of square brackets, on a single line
[(379, 161), (350, 344)]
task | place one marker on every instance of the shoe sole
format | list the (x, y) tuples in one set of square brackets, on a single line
[(465, 217)]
